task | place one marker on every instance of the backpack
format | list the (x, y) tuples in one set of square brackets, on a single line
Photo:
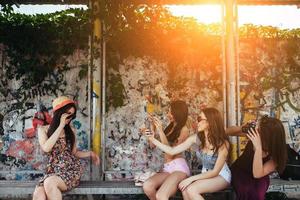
[(292, 169)]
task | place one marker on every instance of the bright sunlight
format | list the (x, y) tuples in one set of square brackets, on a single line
[(279, 16)]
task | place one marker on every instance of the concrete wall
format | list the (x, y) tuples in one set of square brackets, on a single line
[(145, 80), (267, 87), (146, 91), (20, 155)]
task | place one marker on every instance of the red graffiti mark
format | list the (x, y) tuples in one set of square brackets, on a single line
[(30, 132), (40, 118), (21, 149)]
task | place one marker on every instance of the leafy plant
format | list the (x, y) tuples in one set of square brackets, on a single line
[(37, 44)]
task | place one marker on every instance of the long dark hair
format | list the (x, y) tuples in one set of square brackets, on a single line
[(273, 140), (216, 131), (179, 110), (70, 137)]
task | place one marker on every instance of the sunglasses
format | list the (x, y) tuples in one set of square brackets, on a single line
[(199, 119), (72, 116)]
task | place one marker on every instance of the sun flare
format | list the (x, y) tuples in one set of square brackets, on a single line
[(279, 16), (205, 13)]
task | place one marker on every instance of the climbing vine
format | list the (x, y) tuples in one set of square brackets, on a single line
[(38, 44), (140, 30)]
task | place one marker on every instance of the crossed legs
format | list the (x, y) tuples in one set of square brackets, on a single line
[(53, 186)]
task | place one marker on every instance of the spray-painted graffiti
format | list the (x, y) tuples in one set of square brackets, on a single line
[(270, 83), (22, 110), (147, 91), (295, 130), (266, 88)]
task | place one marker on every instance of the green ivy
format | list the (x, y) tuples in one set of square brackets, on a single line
[(37, 44), (141, 30)]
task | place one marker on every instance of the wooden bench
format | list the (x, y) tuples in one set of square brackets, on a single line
[(122, 187)]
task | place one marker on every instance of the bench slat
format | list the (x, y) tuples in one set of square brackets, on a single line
[(116, 187), (85, 187)]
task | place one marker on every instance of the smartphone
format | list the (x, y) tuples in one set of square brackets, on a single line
[(148, 126)]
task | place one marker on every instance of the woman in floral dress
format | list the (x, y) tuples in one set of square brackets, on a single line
[(58, 140)]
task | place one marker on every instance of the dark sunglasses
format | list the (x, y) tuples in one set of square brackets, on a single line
[(199, 119), (73, 116)]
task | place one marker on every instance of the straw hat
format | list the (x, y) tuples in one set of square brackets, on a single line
[(60, 102)]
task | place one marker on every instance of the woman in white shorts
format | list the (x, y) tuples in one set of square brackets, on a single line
[(164, 184), (214, 147)]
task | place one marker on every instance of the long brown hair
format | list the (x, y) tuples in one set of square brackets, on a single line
[(216, 132), (272, 135), (179, 110), (70, 138)]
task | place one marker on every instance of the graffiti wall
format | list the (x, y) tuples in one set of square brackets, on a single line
[(267, 87), (270, 83), (21, 110), (147, 90)]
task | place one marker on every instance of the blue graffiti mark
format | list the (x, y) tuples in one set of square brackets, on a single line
[(82, 140), (77, 124), (296, 125), (18, 177)]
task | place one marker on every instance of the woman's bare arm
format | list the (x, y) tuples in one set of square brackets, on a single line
[(45, 142), (235, 131), (48, 143), (84, 154), (221, 160), (177, 149)]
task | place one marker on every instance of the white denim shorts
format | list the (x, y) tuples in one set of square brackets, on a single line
[(224, 173)]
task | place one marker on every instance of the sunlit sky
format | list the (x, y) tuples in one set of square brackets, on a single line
[(279, 16)]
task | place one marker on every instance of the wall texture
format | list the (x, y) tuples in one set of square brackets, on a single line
[(147, 89), (263, 64), (20, 155)]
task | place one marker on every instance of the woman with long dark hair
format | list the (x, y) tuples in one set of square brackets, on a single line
[(58, 140), (165, 183), (213, 147), (264, 153)]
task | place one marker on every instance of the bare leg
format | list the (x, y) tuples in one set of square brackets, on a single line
[(39, 193), (170, 185), (185, 195), (154, 182), (210, 185), (54, 185)]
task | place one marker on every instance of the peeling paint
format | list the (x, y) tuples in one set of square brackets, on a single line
[(21, 111)]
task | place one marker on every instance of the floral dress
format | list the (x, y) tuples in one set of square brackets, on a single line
[(64, 164)]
